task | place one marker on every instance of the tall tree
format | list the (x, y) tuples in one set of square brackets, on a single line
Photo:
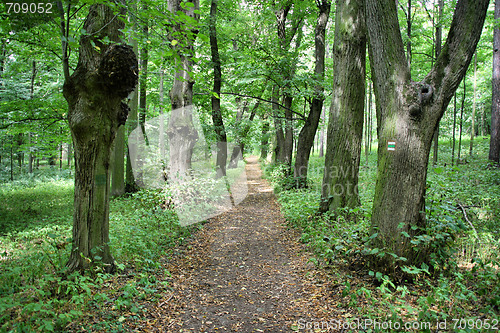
[(494, 154), (220, 130), (437, 50), (473, 125), (345, 124), (284, 141), (32, 94), (106, 73), (408, 113), (133, 117), (264, 141), (143, 75), (181, 131), (461, 125), (308, 131)]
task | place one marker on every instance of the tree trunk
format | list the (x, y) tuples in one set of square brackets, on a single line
[(70, 148), (32, 94), (20, 155), (220, 130), (408, 34), (494, 154), (161, 138), (368, 127), (279, 150), (322, 135), (118, 180), (473, 125), (408, 114), (101, 80), (437, 51), (143, 79), (288, 144), (181, 131), (288, 72), (308, 132), (454, 128), (345, 125), (459, 157), (264, 142), (132, 120), (11, 158)]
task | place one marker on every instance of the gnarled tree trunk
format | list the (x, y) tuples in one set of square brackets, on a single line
[(408, 114), (104, 76)]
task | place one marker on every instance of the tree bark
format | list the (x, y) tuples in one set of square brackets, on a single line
[(104, 76), (408, 114), (181, 131), (308, 132), (345, 125), (494, 153), (220, 130)]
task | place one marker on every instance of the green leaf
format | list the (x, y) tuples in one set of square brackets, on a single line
[(438, 170)]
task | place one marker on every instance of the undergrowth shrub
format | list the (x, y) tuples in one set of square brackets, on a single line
[(460, 274), (36, 292)]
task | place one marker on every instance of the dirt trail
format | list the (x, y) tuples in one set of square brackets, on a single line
[(244, 272)]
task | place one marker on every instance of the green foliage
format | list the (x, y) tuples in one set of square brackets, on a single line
[(459, 279), (36, 292)]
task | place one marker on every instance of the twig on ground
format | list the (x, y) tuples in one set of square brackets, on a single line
[(467, 219)]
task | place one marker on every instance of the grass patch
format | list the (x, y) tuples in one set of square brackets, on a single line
[(36, 294)]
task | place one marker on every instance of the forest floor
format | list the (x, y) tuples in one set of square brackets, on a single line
[(245, 271)]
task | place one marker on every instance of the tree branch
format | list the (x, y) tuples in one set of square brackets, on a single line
[(267, 101), (64, 35), (457, 53), (467, 219)]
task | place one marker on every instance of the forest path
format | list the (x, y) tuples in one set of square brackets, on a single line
[(244, 272)]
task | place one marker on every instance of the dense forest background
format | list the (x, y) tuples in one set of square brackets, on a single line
[(301, 84)]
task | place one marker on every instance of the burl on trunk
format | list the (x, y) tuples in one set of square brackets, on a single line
[(106, 73)]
